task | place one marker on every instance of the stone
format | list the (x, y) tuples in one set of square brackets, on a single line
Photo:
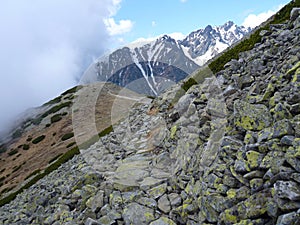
[(158, 191), (288, 219), (135, 213), (163, 221), (149, 202), (287, 190), (106, 220), (95, 203), (175, 199), (164, 204), (256, 184), (150, 182), (287, 140), (280, 112), (251, 117), (254, 159), (295, 13), (282, 128), (90, 221)]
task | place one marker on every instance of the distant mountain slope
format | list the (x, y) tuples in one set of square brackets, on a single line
[(153, 65), (45, 135)]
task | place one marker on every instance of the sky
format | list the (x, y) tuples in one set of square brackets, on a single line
[(45, 46)]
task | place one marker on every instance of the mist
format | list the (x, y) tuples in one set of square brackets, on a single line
[(45, 46)]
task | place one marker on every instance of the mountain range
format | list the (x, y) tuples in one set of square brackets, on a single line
[(150, 67)]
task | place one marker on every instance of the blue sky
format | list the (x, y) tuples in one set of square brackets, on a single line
[(155, 17), (46, 45)]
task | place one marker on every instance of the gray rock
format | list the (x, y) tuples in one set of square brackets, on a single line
[(288, 219), (136, 214), (163, 221), (95, 203), (295, 13), (251, 117), (288, 190), (175, 199), (164, 204), (90, 221)]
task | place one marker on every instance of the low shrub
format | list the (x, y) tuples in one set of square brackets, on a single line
[(17, 134), (2, 179), (67, 136), (53, 101), (38, 139), (71, 144), (16, 168), (25, 147), (33, 174), (95, 138), (29, 139), (13, 152), (55, 118), (72, 90), (55, 158)]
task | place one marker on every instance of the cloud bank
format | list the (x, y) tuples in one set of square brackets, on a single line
[(253, 20), (46, 45)]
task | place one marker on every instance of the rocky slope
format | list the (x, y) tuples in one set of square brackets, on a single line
[(227, 152), (150, 67)]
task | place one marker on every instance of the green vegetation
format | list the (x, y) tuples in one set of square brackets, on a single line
[(55, 158), (38, 139), (64, 158), (189, 83), (67, 136), (95, 138), (13, 152), (55, 118), (56, 108), (2, 149), (71, 144), (2, 179), (53, 101), (58, 99), (33, 174), (29, 139), (17, 134), (25, 147), (16, 168), (72, 90)]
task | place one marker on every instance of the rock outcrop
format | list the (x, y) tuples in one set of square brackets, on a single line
[(228, 152)]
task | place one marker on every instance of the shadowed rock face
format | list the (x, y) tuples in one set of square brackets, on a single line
[(226, 152)]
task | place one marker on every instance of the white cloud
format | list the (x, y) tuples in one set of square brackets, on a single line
[(177, 35), (46, 46), (253, 20), (183, 1), (153, 23), (124, 26)]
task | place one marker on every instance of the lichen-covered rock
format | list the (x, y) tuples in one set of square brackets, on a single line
[(136, 214), (251, 117), (163, 221)]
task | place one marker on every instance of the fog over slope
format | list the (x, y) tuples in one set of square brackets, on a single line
[(45, 47)]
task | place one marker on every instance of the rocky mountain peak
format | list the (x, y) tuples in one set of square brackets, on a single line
[(170, 59)]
